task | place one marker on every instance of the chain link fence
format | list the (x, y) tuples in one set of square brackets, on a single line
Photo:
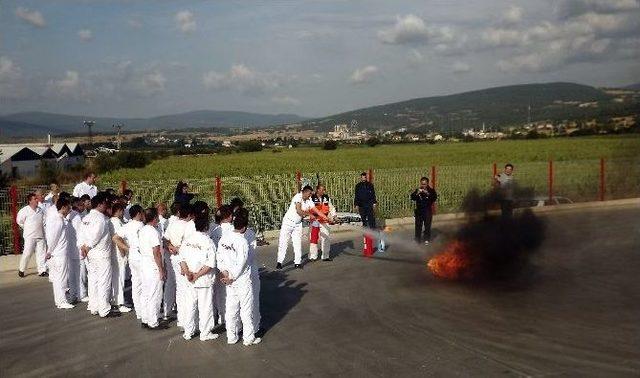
[(267, 197)]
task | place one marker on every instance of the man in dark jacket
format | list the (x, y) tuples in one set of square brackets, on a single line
[(424, 197), (365, 201)]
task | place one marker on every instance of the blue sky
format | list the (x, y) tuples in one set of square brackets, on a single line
[(314, 58)]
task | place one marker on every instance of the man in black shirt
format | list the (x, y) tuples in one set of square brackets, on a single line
[(424, 197), (365, 201)]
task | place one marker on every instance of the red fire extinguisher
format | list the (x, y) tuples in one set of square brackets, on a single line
[(368, 246)]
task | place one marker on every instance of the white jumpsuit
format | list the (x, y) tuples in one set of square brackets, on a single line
[(219, 289), (197, 250), (57, 236), (250, 235), (169, 291), (292, 229), (151, 280), (233, 257), (75, 222), (175, 234), (129, 233), (32, 223), (95, 234), (118, 265)]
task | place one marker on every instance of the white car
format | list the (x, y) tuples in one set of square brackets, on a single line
[(541, 201)]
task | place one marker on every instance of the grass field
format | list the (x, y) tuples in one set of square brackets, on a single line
[(354, 158)]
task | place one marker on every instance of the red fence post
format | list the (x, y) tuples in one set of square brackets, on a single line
[(13, 196), (123, 186), (495, 171), (434, 207), (218, 192), (550, 181), (370, 174), (299, 180), (603, 186)]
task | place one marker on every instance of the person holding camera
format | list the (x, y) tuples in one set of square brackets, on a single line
[(424, 196)]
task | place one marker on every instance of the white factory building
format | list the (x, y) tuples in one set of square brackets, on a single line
[(25, 160)]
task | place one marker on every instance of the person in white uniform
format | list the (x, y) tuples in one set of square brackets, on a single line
[(250, 235), (127, 239), (225, 217), (57, 235), (198, 261), (173, 239), (95, 244), (153, 272), (31, 220), (88, 186), (75, 222), (119, 260), (233, 264), (291, 229), (169, 291)]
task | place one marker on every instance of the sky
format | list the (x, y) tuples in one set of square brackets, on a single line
[(136, 58)]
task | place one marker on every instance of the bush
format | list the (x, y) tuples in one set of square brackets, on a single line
[(250, 146), (373, 141), (49, 172), (4, 180), (130, 159), (330, 145)]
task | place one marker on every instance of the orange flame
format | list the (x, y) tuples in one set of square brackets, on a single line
[(454, 263)]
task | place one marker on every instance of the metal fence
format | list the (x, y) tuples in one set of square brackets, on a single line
[(268, 196)]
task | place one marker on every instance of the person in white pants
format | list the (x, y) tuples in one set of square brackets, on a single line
[(127, 239), (119, 260), (95, 244), (250, 235), (320, 232), (173, 237), (57, 235), (153, 272), (233, 264), (291, 229), (75, 222), (198, 261), (225, 217), (169, 291), (31, 219)]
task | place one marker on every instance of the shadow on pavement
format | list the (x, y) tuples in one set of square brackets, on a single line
[(278, 295)]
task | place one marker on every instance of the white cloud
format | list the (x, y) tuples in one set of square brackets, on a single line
[(152, 83), (513, 15), (571, 8), (85, 35), (69, 86), (363, 75), (11, 83), (33, 17), (134, 23), (244, 79), (498, 37), (408, 29), (185, 21), (460, 68), (285, 100), (416, 58)]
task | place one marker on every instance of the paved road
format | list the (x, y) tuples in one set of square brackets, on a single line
[(578, 315)]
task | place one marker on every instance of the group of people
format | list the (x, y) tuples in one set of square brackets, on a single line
[(183, 267)]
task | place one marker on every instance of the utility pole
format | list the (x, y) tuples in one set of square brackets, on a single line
[(89, 125), (119, 127)]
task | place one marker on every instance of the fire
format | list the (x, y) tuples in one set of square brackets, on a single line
[(454, 263)]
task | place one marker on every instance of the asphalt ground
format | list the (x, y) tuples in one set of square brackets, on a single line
[(576, 312)]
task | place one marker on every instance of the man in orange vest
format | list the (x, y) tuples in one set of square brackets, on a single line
[(320, 230)]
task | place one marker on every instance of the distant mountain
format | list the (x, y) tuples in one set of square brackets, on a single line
[(635, 87), (495, 107), (43, 123)]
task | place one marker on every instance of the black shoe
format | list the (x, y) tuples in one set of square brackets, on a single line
[(327, 259), (298, 266), (160, 327), (278, 266), (44, 274), (113, 314), (20, 274), (144, 325)]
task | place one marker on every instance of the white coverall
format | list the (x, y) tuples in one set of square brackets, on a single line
[(32, 223), (219, 289), (151, 281), (75, 222), (58, 248), (175, 234), (129, 233), (197, 250), (292, 229), (169, 291), (95, 234), (118, 266), (83, 188), (233, 257), (250, 235)]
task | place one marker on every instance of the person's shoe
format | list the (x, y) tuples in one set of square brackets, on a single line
[(144, 325), (232, 341), (94, 312), (312, 260), (159, 327), (85, 299), (327, 259), (210, 336), (187, 336), (278, 266), (112, 314), (20, 274), (44, 274), (298, 266), (66, 306), (255, 341), (124, 309), (169, 318), (426, 242)]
